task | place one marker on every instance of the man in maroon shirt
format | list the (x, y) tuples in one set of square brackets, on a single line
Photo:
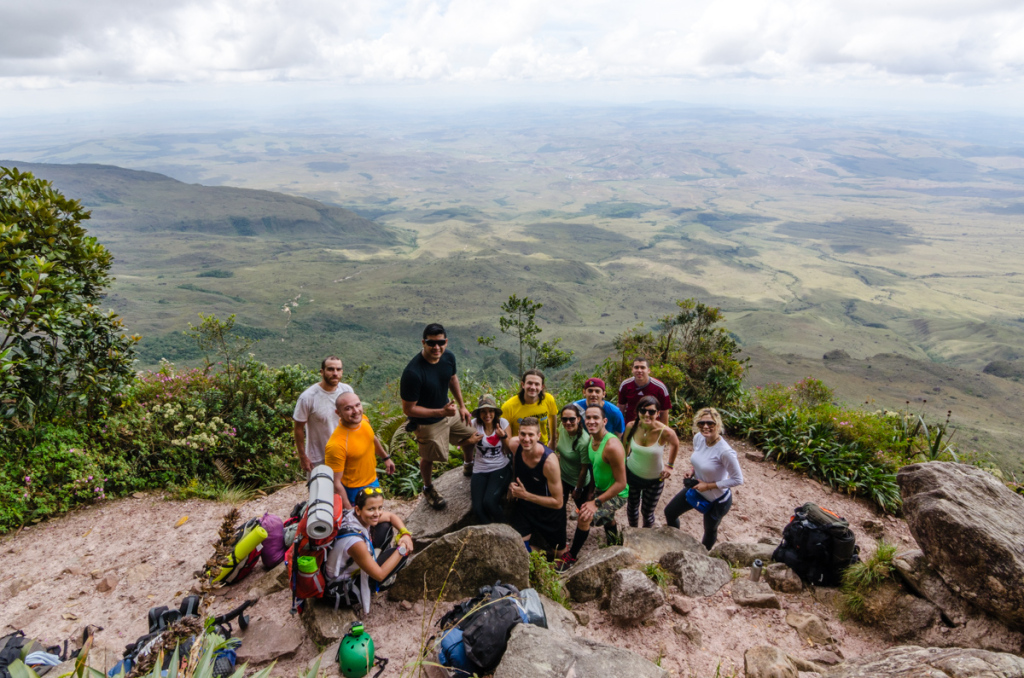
[(640, 385)]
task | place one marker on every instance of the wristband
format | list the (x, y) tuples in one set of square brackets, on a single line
[(597, 502), (670, 466), (386, 457)]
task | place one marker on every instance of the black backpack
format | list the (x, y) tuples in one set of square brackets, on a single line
[(486, 622), (818, 545), (10, 650)]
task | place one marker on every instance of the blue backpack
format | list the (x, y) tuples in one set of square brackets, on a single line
[(478, 630)]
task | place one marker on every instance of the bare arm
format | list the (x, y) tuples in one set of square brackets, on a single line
[(379, 450), (456, 389), (615, 457), (339, 491), (411, 409), (299, 433), (361, 555), (663, 417), (553, 474)]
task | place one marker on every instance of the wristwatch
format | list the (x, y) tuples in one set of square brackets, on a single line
[(402, 551), (597, 502)]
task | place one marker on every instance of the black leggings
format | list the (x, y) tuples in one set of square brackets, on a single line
[(643, 498), (678, 506), (486, 490)]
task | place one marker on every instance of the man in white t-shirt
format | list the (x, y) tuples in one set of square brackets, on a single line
[(315, 414)]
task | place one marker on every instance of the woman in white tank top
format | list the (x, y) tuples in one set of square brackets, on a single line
[(648, 442)]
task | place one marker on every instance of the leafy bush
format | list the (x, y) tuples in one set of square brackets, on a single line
[(657, 574), (544, 578), (216, 273)]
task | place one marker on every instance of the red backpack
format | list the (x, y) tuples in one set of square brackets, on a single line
[(310, 584)]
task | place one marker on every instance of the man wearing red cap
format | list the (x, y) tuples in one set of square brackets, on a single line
[(594, 389)]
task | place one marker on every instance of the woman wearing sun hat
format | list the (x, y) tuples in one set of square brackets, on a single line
[(488, 448)]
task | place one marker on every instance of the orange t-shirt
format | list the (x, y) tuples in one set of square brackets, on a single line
[(350, 452)]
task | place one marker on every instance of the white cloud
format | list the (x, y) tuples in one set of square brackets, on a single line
[(52, 42)]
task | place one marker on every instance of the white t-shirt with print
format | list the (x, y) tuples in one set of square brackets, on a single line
[(317, 411), (490, 454)]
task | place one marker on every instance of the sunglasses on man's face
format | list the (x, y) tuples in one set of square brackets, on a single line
[(706, 424), (434, 343), (570, 420)]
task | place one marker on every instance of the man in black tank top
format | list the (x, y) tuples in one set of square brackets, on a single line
[(536, 488)]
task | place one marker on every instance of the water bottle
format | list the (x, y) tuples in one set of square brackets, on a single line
[(755, 570)]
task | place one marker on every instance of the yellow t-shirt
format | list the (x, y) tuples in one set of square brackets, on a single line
[(350, 452), (546, 412)]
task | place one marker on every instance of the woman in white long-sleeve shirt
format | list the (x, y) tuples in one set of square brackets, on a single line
[(716, 468)]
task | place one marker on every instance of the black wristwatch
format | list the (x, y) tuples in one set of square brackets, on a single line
[(597, 502)]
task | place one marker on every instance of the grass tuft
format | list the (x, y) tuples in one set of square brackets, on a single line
[(544, 578)]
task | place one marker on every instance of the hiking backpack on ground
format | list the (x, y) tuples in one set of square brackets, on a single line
[(477, 630), (818, 545), (305, 557)]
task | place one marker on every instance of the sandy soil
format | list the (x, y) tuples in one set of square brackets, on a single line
[(53, 569)]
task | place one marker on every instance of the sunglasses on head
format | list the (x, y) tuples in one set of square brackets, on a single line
[(709, 424), (434, 343), (370, 491)]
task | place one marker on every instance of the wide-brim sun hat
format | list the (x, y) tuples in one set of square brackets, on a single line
[(486, 402)]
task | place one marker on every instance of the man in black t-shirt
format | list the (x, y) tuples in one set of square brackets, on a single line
[(437, 421)]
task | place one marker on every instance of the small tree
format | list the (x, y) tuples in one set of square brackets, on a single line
[(520, 321), (58, 351), (213, 335)]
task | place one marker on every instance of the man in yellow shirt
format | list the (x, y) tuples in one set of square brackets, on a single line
[(533, 401), (353, 449)]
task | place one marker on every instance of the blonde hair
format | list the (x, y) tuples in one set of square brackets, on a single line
[(704, 413)]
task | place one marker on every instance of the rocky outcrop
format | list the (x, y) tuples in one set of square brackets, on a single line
[(427, 524), (782, 578), (696, 574), (266, 641), (323, 623), (560, 620), (651, 543), (970, 527), (270, 582), (747, 593), (634, 597), (534, 652), (931, 662), (470, 558), (743, 554), (591, 577), (920, 578), (981, 631)]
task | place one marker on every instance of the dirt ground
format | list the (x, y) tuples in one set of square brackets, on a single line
[(49, 575)]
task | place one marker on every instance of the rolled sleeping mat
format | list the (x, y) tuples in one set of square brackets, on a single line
[(242, 550), (320, 511)]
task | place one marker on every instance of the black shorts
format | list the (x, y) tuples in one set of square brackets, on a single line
[(539, 522)]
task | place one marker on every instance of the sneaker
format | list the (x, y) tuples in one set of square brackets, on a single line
[(564, 562), (435, 500), (467, 469)]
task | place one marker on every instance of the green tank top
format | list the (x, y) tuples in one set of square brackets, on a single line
[(603, 476)]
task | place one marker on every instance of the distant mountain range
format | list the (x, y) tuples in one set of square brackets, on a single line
[(132, 201)]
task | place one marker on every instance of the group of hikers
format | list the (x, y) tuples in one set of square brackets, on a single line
[(526, 458)]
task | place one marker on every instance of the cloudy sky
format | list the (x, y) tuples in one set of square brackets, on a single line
[(952, 52)]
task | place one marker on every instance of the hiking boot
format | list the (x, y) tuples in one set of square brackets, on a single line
[(435, 500), (467, 469), (564, 562)]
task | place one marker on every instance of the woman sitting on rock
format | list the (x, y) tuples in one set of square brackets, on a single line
[(372, 543), (716, 469), (651, 449)]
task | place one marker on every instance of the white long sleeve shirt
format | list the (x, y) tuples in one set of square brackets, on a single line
[(715, 464)]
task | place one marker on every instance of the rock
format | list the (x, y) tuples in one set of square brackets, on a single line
[(826, 658), (874, 528), (108, 583), (754, 594), (651, 543), (476, 556), (829, 597), (328, 664), (590, 577), (582, 616), (970, 527), (405, 605), (690, 631), (534, 652), (140, 573), (265, 641), (96, 574), (980, 631), (908, 616), (560, 620), (681, 605), (754, 455), (925, 582), (782, 578), (809, 627), (773, 541), (929, 662), (75, 570), (270, 582), (697, 575), (324, 624), (15, 586), (765, 661), (427, 524), (742, 554), (634, 597)]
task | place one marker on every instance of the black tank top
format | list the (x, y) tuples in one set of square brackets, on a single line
[(533, 479)]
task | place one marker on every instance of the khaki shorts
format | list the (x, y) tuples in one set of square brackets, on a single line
[(434, 439)]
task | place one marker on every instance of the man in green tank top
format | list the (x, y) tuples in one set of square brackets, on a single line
[(608, 465)]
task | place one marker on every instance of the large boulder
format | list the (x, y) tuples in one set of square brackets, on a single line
[(743, 554), (696, 574), (560, 620), (931, 662), (749, 593), (266, 641), (427, 524), (464, 561), (920, 578), (534, 652), (323, 623), (590, 577), (634, 597), (651, 543), (970, 527)]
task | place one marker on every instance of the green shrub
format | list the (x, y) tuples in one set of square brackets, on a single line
[(544, 578), (657, 574), (868, 587)]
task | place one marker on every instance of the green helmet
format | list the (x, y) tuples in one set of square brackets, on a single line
[(355, 653)]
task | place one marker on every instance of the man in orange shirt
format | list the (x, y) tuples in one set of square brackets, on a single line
[(353, 449)]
